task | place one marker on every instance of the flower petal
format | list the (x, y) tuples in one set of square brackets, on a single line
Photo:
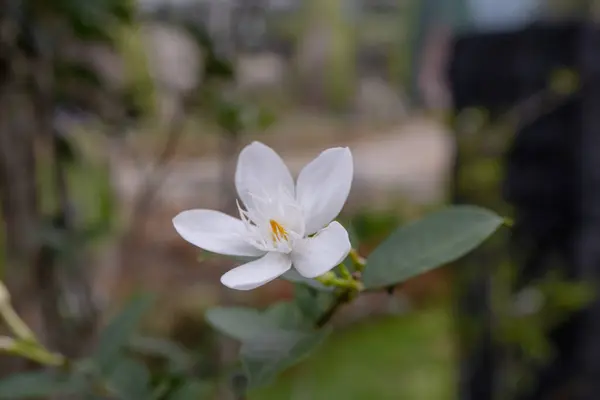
[(323, 187), (214, 231), (258, 272), (261, 172), (315, 256)]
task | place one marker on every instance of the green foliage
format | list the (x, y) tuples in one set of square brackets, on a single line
[(94, 19), (216, 67), (130, 380), (294, 277), (284, 334), (116, 335), (192, 390), (265, 357), (117, 369), (272, 340), (243, 324), (408, 357), (431, 242), (176, 357), (34, 385), (312, 302)]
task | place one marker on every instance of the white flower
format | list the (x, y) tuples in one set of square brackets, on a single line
[(279, 218)]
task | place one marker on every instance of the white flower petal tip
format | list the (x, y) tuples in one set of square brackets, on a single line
[(214, 231), (261, 172), (258, 272), (313, 257), (324, 185)]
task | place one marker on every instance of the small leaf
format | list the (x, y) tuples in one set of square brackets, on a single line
[(31, 385), (172, 352), (311, 302), (238, 383), (426, 244), (287, 315), (118, 333), (192, 390), (265, 358), (240, 323), (293, 276), (130, 379)]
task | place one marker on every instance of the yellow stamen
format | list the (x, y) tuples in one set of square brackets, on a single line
[(278, 232)]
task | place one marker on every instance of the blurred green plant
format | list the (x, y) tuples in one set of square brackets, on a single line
[(273, 339), (280, 336), (114, 370)]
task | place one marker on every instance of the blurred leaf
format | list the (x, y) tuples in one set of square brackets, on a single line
[(119, 331), (311, 302), (257, 118), (29, 385), (80, 73), (240, 323), (426, 244), (239, 384), (64, 149), (95, 19), (103, 208), (264, 358), (229, 116), (287, 315), (293, 276), (175, 354), (130, 380), (214, 65), (369, 225), (192, 390)]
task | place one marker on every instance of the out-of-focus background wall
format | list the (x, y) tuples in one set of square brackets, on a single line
[(116, 115)]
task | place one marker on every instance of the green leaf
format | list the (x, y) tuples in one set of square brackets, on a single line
[(311, 302), (130, 380), (240, 323), (426, 244), (287, 315), (175, 354), (119, 331), (31, 385), (293, 276), (256, 118), (238, 383), (263, 359), (192, 390)]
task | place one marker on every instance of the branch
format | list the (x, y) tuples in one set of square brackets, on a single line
[(343, 298), (152, 184)]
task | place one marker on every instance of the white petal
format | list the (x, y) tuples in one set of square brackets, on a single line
[(258, 272), (315, 256), (261, 172), (214, 231), (323, 187)]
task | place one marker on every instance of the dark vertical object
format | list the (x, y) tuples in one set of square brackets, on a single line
[(541, 185), (550, 177), (587, 384), (483, 75)]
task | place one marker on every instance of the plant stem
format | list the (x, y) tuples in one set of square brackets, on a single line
[(15, 323), (343, 298), (358, 261)]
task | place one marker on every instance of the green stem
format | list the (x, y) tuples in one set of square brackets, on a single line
[(15, 323), (358, 261), (344, 272)]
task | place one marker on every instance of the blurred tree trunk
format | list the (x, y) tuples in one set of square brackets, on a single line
[(30, 147), (18, 192)]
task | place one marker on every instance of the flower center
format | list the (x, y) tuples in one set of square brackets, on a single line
[(278, 232)]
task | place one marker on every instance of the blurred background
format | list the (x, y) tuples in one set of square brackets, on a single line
[(115, 115)]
